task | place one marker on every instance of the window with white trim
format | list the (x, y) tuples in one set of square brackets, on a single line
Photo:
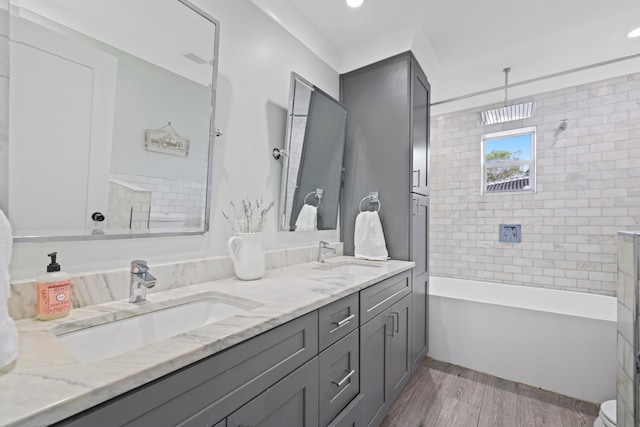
[(509, 161)]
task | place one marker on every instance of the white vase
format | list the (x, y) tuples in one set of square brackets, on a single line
[(247, 255)]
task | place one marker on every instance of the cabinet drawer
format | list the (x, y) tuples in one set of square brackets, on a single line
[(377, 298), (337, 320), (339, 374), (205, 392), (351, 416)]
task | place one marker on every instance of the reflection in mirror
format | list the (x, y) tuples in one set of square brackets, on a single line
[(111, 115), (314, 147)]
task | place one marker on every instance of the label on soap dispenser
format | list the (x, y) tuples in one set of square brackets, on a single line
[(54, 297)]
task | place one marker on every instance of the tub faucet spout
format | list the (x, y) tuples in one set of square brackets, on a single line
[(140, 280)]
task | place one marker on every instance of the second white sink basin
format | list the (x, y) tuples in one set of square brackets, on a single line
[(112, 338)]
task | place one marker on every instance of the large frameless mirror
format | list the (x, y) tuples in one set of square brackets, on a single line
[(314, 151), (111, 118)]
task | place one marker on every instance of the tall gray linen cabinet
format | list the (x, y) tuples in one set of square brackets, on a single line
[(387, 151)]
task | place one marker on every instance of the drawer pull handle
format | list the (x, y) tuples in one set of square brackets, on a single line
[(413, 184), (393, 327), (344, 380), (344, 321)]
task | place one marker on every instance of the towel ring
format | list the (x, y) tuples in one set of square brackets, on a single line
[(371, 200), (319, 198)]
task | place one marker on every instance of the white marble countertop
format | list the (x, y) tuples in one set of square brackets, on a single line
[(47, 383)]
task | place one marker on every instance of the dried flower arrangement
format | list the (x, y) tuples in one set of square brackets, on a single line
[(251, 218)]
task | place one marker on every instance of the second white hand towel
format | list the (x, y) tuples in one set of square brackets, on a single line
[(368, 237), (307, 218)]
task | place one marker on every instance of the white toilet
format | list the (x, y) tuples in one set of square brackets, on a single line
[(607, 416), (167, 220)]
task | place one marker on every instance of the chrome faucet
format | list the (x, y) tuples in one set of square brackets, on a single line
[(140, 280), (323, 248)]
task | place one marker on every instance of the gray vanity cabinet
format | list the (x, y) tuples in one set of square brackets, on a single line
[(342, 365), (293, 401), (387, 151)]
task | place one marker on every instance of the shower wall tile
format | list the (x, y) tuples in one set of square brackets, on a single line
[(172, 195), (588, 189)]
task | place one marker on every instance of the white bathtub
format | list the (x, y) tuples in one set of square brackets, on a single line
[(557, 340)]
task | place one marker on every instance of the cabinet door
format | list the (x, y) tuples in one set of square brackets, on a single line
[(420, 131), (293, 402), (374, 352), (420, 320), (399, 357), (377, 151), (420, 296)]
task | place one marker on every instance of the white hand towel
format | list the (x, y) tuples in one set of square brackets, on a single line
[(307, 218), (369, 238), (8, 332)]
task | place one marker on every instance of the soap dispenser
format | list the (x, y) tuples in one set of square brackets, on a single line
[(54, 292)]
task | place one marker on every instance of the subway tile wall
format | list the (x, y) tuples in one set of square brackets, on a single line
[(588, 180), (128, 207), (172, 196)]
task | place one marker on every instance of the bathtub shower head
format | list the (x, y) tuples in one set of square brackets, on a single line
[(508, 112)]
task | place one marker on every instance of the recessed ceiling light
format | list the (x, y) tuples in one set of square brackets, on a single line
[(634, 33), (354, 3)]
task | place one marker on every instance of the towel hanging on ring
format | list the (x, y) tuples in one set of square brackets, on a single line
[(369, 238)]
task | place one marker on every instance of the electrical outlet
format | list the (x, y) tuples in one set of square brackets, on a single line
[(510, 233)]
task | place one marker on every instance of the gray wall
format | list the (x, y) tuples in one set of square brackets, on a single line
[(588, 189), (148, 97)]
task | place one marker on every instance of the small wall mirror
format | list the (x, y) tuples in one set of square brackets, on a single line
[(112, 107), (312, 161)]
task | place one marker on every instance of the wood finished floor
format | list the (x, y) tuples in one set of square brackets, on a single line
[(445, 395)]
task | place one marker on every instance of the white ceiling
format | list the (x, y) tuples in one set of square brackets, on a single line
[(463, 45)]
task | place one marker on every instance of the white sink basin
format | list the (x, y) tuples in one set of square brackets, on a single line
[(350, 267), (112, 338)]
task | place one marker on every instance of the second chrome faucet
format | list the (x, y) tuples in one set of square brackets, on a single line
[(140, 280), (323, 248)]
